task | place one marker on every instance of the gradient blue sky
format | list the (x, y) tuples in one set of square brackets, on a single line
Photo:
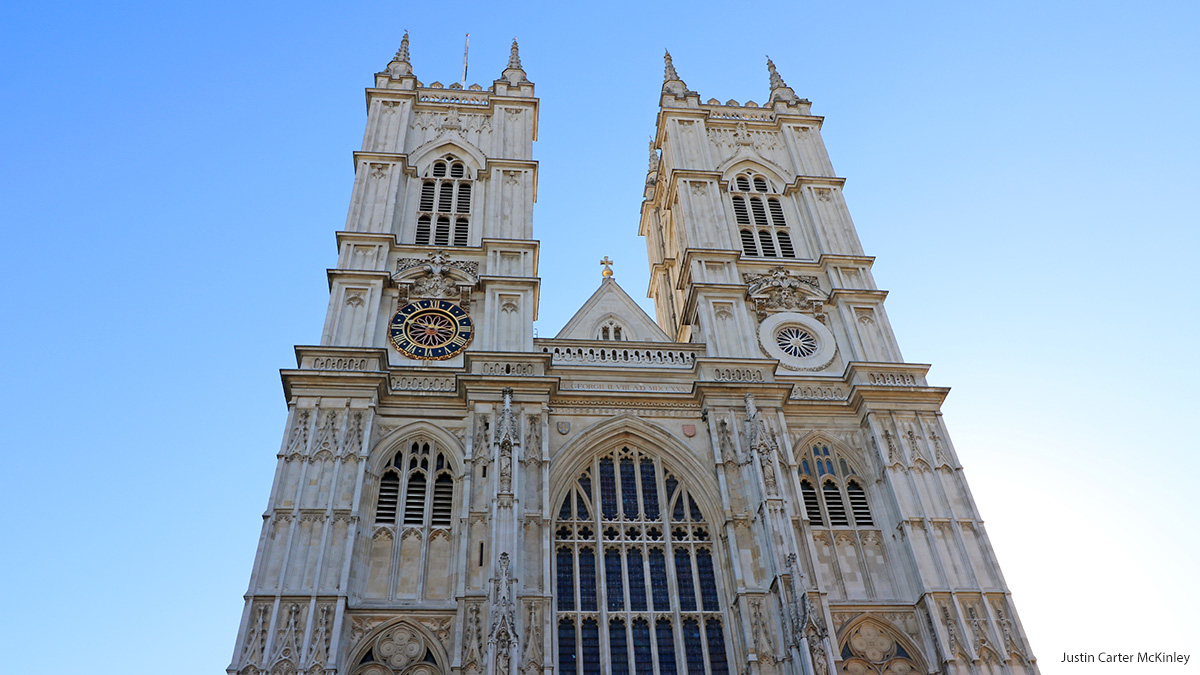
[(171, 176)]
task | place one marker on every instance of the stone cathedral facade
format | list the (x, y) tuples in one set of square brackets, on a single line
[(753, 482)]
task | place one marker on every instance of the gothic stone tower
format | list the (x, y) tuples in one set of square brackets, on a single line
[(755, 483)]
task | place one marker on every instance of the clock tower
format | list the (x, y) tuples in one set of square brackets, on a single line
[(440, 230), (434, 294)]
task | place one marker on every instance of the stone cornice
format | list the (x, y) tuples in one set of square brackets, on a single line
[(820, 181), (334, 273), (492, 162), (838, 295)]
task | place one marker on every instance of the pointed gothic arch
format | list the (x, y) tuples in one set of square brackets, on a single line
[(872, 645), (634, 552), (741, 162), (611, 327), (410, 503), (833, 489), (398, 647), (384, 448), (856, 460), (424, 156), (607, 435)]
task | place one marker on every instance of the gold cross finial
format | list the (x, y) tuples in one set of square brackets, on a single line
[(607, 270)]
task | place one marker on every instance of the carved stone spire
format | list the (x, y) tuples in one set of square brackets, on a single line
[(513, 72), (399, 67), (779, 89), (672, 83), (757, 435), (506, 425), (652, 170), (776, 81), (402, 53), (514, 57), (759, 440), (669, 72)]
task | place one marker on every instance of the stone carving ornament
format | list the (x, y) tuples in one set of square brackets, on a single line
[(502, 635), (533, 641), (790, 311), (762, 634), (438, 280), (873, 649), (533, 439), (763, 444), (472, 655), (780, 290), (400, 646)]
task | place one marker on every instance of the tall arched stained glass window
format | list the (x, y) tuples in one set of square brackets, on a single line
[(636, 585)]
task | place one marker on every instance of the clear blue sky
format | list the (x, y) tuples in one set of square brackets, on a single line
[(171, 176)]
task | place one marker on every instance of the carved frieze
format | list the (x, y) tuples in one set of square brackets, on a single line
[(731, 140), (451, 120), (811, 393), (422, 383)]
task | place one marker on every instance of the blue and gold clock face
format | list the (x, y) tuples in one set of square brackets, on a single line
[(431, 330)]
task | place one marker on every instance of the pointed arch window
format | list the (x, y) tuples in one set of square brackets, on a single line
[(612, 330), (406, 480), (758, 212), (444, 205), (636, 578), (413, 524), (831, 491)]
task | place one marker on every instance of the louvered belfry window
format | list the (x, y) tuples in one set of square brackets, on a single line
[(832, 492), (635, 579), (758, 212), (417, 489), (444, 205)]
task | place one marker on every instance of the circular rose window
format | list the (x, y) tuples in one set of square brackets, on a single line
[(798, 341)]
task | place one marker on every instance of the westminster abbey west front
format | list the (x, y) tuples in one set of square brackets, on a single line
[(752, 482)]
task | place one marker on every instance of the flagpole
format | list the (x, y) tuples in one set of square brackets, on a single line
[(466, 46)]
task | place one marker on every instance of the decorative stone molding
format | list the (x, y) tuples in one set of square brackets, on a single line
[(621, 357), (816, 393), (422, 383), (738, 375), (893, 379), (506, 368), (341, 363), (732, 110), (625, 386), (641, 409), (451, 96)]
